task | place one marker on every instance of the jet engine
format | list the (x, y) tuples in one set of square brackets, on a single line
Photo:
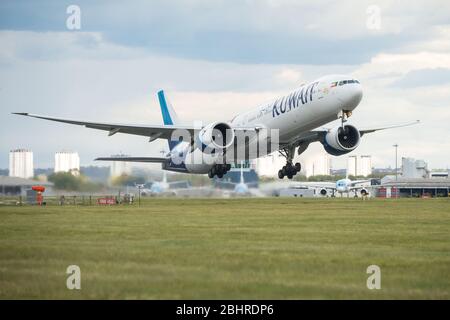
[(216, 135), (364, 192), (323, 192), (339, 141)]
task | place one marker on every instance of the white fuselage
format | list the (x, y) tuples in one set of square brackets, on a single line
[(343, 185), (310, 106)]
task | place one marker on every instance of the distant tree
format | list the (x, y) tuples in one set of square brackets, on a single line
[(322, 178), (266, 179), (300, 177), (99, 174), (352, 177), (378, 175), (127, 180), (65, 181), (70, 182)]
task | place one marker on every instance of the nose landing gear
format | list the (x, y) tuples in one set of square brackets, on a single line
[(345, 114), (219, 170), (289, 169)]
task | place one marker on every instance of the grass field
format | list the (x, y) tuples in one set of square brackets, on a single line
[(238, 248)]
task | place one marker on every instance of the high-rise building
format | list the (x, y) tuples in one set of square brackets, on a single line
[(359, 165), (365, 165), (67, 161), (269, 165), (318, 165), (412, 168), (21, 163), (352, 165), (119, 168)]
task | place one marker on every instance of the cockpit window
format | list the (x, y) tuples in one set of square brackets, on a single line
[(343, 82)]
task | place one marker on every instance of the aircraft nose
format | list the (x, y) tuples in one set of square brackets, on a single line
[(352, 96), (357, 94)]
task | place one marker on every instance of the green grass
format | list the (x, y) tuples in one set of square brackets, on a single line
[(223, 249)]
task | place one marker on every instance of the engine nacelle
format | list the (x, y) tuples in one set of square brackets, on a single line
[(216, 135), (339, 141), (323, 192)]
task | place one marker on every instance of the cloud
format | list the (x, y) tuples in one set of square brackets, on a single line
[(424, 78), (216, 61), (269, 32)]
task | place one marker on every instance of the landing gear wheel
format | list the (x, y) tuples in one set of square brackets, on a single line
[(289, 170), (220, 175), (210, 174)]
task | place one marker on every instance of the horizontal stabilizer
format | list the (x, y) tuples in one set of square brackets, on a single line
[(134, 159)]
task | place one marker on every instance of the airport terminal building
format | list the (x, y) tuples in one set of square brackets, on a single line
[(413, 187), (15, 186)]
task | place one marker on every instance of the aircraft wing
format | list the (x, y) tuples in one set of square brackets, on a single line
[(354, 184), (370, 130), (134, 159), (324, 184), (153, 131), (317, 134)]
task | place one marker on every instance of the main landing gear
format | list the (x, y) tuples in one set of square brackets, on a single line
[(219, 170), (289, 169)]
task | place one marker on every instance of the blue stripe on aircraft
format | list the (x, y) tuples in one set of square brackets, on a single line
[(167, 119)]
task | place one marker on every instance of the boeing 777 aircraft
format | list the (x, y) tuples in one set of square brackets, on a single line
[(298, 117)]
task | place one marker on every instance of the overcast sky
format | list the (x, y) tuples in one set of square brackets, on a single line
[(216, 59)]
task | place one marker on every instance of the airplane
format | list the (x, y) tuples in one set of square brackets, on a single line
[(342, 186), (241, 188), (164, 188), (297, 119), (158, 188)]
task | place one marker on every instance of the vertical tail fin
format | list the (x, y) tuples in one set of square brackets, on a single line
[(168, 114)]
